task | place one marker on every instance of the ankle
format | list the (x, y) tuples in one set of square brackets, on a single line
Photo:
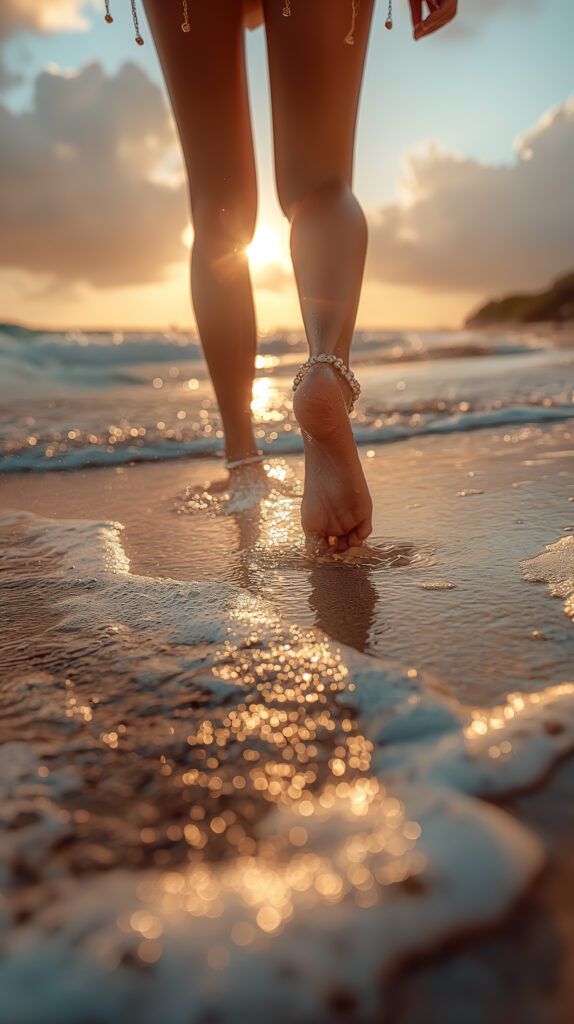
[(344, 375), (247, 460), (319, 401), (239, 442)]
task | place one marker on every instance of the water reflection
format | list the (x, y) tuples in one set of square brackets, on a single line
[(344, 596), (270, 559), (183, 735), (343, 600)]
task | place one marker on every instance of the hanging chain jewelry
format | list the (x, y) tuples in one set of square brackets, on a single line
[(350, 37), (185, 26), (139, 39)]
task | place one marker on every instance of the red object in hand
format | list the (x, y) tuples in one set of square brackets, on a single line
[(442, 11)]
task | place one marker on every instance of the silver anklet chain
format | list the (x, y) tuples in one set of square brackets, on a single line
[(339, 365), (247, 461)]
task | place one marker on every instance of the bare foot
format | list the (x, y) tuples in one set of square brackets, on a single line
[(336, 500)]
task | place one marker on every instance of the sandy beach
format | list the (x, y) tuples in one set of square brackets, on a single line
[(340, 780), (245, 777)]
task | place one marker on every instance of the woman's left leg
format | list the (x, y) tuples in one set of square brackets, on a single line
[(315, 87)]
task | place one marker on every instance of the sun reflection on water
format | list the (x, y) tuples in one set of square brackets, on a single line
[(485, 723), (268, 403), (230, 780), (335, 832)]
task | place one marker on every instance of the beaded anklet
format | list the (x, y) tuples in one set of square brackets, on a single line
[(339, 365), (247, 461)]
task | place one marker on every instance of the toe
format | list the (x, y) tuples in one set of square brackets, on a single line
[(354, 540), (316, 544), (364, 529)]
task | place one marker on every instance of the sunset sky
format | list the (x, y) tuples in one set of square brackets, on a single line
[(464, 166)]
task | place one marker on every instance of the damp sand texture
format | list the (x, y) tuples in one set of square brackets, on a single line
[(237, 784)]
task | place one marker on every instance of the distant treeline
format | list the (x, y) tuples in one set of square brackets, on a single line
[(556, 304)]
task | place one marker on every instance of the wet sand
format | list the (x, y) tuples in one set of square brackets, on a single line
[(454, 517), (442, 591)]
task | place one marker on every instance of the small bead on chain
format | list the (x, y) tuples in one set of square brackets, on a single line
[(339, 365), (186, 26), (139, 39)]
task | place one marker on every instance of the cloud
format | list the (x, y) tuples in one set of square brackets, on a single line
[(19, 16), (272, 277), (469, 225), (81, 197), (32, 16)]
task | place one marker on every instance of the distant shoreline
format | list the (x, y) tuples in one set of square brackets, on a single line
[(542, 327), (554, 304)]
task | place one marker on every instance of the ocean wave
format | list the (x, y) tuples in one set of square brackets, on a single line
[(83, 358), (177, 700), (77, 348), (42, 453)]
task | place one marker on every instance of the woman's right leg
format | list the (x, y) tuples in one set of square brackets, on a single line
[(205, 74)]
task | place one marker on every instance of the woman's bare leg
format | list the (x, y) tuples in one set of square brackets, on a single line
[(315, 88), (204, 71)]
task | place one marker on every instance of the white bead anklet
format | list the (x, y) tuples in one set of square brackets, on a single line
[(247, 461), (339, 365)]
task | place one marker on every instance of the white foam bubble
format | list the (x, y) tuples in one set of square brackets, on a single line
[(554, 566), (444, 859)]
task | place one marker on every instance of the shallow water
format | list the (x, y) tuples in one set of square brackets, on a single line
[(239, 781), (195, 789), (460, 512), (113, 398)]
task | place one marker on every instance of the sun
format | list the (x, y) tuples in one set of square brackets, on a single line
[(265, 248), (263, 251)]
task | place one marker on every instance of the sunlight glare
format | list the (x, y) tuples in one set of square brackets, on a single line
[(262, 388), (265, 248)]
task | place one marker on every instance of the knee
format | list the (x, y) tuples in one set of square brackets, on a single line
[(223, 227), (299, 196)]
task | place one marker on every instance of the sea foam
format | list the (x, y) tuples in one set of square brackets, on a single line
[(52, 453), (390, 853)]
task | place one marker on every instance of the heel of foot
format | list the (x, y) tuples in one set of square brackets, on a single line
[(321, 402)]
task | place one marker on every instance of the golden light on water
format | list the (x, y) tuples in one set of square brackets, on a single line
[(262, 390), (334, 832), (266, 362), (268, 403), (486, 722), (277, 524), (267, 808)]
